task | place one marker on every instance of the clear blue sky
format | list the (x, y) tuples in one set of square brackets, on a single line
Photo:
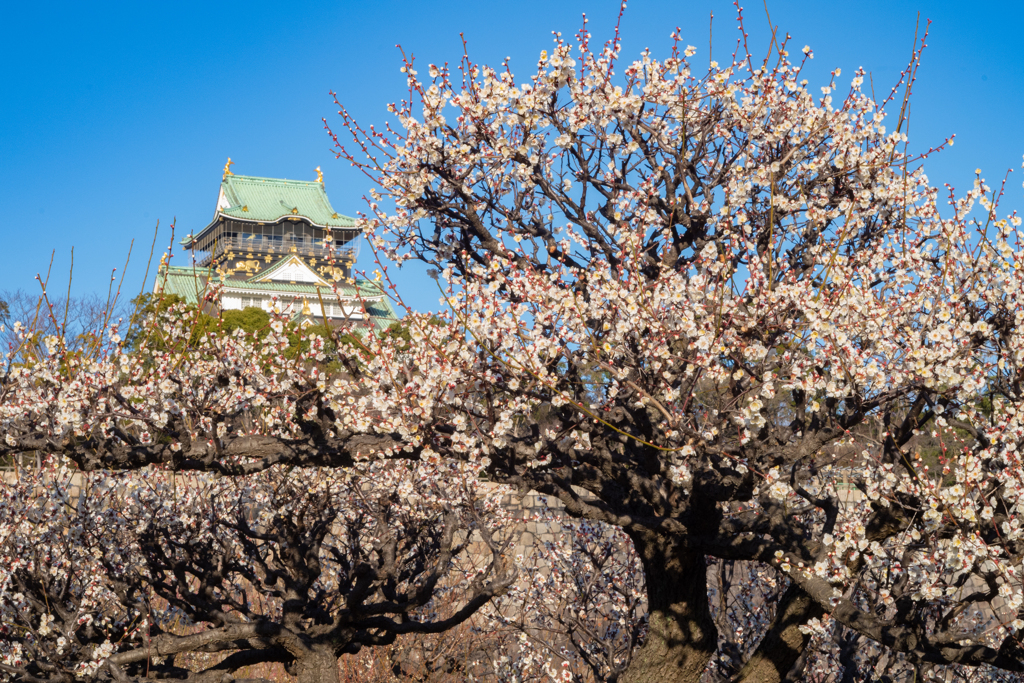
[(114, 116)]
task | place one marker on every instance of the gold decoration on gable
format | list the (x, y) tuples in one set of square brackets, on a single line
[(249, 266), (332, 273)]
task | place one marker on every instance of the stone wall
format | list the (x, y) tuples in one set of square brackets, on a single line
[(540, 522)]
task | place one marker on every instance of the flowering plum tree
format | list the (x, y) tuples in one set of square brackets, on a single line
[(762, 275), (298, 567), (581, 601)]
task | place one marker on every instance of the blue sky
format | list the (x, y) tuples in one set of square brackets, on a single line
[(115, 116)]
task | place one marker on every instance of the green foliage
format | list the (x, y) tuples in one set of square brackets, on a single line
[(986, 405), (299, 338), (253, 320), (399, 331), (148, 305)]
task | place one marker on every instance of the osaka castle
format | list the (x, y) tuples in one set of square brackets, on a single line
[(278, 245)]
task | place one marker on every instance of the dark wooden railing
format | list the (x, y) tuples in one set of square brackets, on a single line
[(258, 246)]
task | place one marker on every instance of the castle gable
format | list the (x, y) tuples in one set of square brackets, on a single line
[(290, 269)]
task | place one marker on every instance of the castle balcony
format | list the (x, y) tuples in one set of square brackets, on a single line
[(275, 245)]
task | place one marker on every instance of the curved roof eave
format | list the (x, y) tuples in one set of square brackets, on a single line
[(220, 214)]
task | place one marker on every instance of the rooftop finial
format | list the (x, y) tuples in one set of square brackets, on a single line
[(227, 169), (319, 176)]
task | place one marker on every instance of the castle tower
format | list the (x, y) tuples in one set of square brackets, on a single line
[(279, 242)]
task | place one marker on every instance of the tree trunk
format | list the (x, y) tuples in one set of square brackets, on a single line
[(783, 643), (681, 636), (320, 666)]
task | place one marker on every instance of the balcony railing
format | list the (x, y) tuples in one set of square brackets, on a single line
[(265, 245)]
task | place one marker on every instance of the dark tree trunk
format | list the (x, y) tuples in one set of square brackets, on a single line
[(847, 655), (319, 666), (796, 672), (783, 644), (682, 636)]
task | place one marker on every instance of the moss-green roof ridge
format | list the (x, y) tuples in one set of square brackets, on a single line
[(267, 200)]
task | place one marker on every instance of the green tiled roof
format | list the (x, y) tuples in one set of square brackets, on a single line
[(381, 314), (267, 200), (190, 283), (289, 288), (186, 282)]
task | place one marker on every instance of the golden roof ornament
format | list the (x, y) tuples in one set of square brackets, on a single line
[(227, 169), (319, 176)]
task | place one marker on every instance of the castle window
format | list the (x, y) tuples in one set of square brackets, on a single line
[(252, 302)]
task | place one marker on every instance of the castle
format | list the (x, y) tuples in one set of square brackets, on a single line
[(275, 242)]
